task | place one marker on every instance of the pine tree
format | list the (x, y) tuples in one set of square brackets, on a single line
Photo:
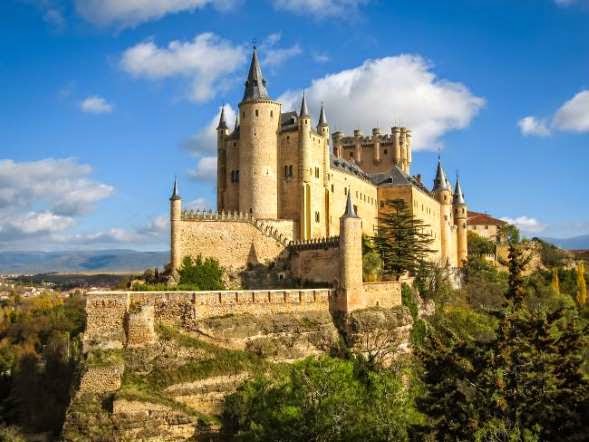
[(581, 284), (555, 284), (402, 241)]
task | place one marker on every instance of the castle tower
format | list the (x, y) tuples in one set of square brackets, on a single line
[(323, 126), (337, 144), (376, 143), (258, 147), (306, 169), (460, 217), (443, 194), (408, 149), (350, 296), (175, 220), (396, 133), (222, 132)]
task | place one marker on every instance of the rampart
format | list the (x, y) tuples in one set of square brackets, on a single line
[(117, 319), (316, 260)]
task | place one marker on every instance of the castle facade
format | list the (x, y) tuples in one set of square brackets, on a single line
[(279, 165)]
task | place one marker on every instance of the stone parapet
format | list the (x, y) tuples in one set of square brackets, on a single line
[(315, 243)]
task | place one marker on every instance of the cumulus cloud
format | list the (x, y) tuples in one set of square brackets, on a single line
[(205, 61), (124, 13), (205, 140), (276, 56), (572, 116), (525, 224), (198, 204), (206, 169), (402, 89), (532, 126), (41, 199), (320, 8), (96, 105)]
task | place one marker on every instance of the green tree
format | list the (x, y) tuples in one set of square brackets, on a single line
[(321, 400), (201, 274), (479, 246), (402, 241)]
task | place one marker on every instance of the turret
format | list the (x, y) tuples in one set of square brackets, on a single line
[(222, 132), (175, 219), (258, 147), (323, 126), (350, 295), (443, 193), (376, 143), (306, 169), (396, 133), (337, 144), (460, 220), (358, 145)]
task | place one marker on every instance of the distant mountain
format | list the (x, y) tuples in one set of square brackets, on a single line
[(574, 243), (81, 261)]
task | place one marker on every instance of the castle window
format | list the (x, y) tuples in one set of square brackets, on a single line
[(382, 204), (243, 115), (386, 151), (345, 190), (316, 217), (271, 114), (237, 176), (355, 208), (464, 225), (332, 188), (285, 171), (290, 170), (257, 112), (351, 154)]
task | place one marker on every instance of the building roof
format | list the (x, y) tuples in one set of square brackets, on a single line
[(288, 119), (255, 86), (441, 182), (304, 109), (350, 211), (458, 194), (482, 219), (349, 167), (222, 123), (396, 177), (175, 195), (322, 117)]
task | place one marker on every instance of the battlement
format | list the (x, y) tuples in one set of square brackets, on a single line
[(266, 228), (316, 243)]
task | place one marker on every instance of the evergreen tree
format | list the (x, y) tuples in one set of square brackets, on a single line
[(402, 241), (581, 284)]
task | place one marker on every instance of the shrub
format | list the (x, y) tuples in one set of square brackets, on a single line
[(201, 274)]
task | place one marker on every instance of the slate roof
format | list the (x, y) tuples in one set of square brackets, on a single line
[(255, 85)]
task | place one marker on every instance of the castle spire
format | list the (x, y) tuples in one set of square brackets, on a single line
[(441, 182), (236, 126), (175, 195), (322, 117), (255, 86), (458, 194), (350, 212), (222, 123), (304, 109)]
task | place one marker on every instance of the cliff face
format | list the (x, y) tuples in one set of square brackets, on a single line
[(168, 379)]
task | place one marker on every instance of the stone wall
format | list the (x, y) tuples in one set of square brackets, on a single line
[(107, 329), (382, 294), (315, 264)]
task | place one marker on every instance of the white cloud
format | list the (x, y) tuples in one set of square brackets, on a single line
[(96, 105), (206, 61), (320, 8), (13, 226), (532, 126), (198, 204), (574, 114), (205, 140), (400, 89), (206, 169), (525, 224), (125, 13)]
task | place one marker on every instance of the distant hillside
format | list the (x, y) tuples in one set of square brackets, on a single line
[(80, 261), (574, 243)]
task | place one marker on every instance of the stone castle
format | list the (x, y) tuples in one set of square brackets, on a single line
[(283, 185)]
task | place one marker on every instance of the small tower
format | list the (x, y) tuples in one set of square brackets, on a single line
[(443, 194), (222, 132), (306, 170), (460, 219), (350, 296), (175, 220), (323, 126), (396, 134), (376, 144), (258, 146)]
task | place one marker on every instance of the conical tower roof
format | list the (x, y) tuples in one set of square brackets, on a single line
[(236, 126), (222, 123), (175, 194), (350, 212), (304, 109), (441, 182), (458, 194), (322, 117), (255, 86)]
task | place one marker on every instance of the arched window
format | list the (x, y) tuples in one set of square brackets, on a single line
[(257, 113)]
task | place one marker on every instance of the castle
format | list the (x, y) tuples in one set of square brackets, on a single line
[(283, 184)]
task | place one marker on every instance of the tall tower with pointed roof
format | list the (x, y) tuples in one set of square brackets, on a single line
[(350, 290), (460, 219), (306, 170), (442, 191), (258, 146), (222, 132), (175, 221)]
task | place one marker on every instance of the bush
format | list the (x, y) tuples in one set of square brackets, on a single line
[(479, 246), (201, 274)]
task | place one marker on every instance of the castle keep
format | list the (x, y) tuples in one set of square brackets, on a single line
[(283, 183)]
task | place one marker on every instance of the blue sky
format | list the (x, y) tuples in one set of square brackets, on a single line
[(103, 102)]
